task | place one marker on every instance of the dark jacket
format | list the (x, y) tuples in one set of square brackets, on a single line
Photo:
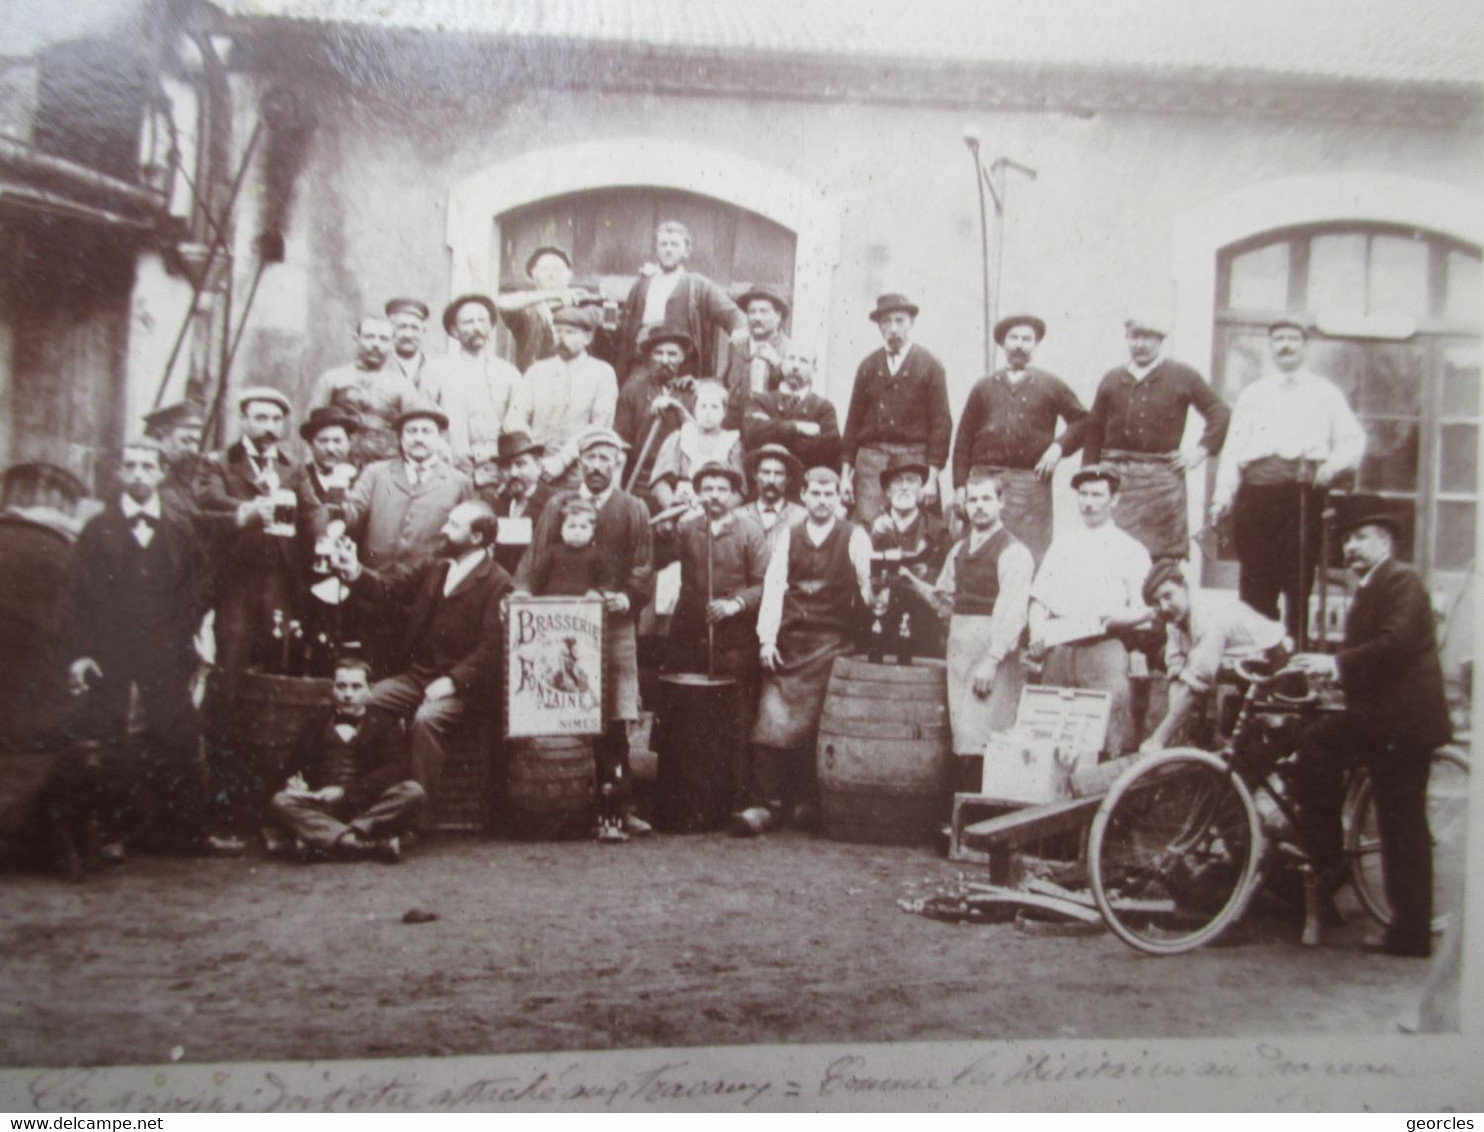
[(910, 408), (457, 636), (372, 763), (223, 481), (697, 306), (772, 418), (623, 535), (1389, 664), (508, 555)]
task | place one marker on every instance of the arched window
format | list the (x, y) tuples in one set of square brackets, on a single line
[(1399, 314)]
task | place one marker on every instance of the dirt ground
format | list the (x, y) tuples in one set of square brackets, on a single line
[(670, 941)]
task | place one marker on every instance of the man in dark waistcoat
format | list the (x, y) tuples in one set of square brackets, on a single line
[(1396, 715)]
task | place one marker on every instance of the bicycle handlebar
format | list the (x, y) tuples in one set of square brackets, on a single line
[(1270, 683)]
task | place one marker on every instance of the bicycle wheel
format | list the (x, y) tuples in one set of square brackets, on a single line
[(1447, 821), (1174, 851)]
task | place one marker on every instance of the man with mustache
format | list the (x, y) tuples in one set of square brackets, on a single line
[(450, 650), (899, 407), (409, 319), (471, 384), (657, 402), (754, 361), (623, 536), (1396, 715), (1009, 427), (520, 498), (531, 314), (1292, 435), (178, 429), (776, 474), (369, 391), (1137, 423), (793, 416)]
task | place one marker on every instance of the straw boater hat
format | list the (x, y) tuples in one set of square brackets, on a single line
[(451, 312), (397, 306), (1005, 325), (715, 468), (547, 249), (1105, 472), (899, 463), (327, 416), (767, 294), (791, 463), (886, 304), (426, 410), (513, 444), (263, 393)]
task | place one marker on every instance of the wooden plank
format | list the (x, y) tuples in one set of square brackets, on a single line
[(1030, 824), (920, 672), (832, 724), (925, 692)]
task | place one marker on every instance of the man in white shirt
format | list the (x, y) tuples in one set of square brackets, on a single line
[(818, 580), (1089, 587), (563, 396), (1291, 435), (471, 384)]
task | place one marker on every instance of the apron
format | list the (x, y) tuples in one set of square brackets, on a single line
[(792, 698), (972, 718), (1027, 511), (870, 460), (1151, 503), (620, 670)]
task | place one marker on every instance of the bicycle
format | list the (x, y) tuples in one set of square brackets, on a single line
[(1185, 838)]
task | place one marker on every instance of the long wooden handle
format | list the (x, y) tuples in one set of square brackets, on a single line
[(654, 430)]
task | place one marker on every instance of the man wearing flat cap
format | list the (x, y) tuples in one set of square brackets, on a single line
[(623, 538), (409, 319), (397, 508), (564, 395), (1088, 593), (723, 556), (1137, 424), (1396, 715), (521, 497), (899, 407), (531, 313), (754, 363), (1009, 425), (671, 296), (178, 428), (471, 384), (657, 401), (370, 390), (794, 416)]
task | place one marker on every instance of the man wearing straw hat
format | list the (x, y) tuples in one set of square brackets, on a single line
[(1137, 423), (899, 406), (1009, 426), (623, 536)]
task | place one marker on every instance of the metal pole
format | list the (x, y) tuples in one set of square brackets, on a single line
[(1302, 623), (973, 143), (710, 589)]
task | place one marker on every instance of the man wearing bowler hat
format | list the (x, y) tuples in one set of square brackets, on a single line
[(656, 403), (1396, 715), (409, 319), (1292, 435), (178, 429), (1137, 424), (521, 497), (671, 296), (794, 416), (754, 363), (374, 393), (1008, 427), (623, 537), (777, 477), (471, 384), (906, 541), (531, 313), (563, 395), (899, 406)]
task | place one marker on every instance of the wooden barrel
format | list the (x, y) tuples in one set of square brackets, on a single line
[(885, 751), (270, 714), (696, 749), (550, 787)]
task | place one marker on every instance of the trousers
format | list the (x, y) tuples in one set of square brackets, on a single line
[(1266, 525), (433, 722), (1101, 665), (321, 824)]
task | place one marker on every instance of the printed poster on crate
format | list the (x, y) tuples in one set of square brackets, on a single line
[(554, 675)]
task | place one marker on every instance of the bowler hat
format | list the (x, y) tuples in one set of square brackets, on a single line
[(513, 444), (397, 306), (597, 435), (900, 462), (892, 301), (547, 249), (263, 393), (716, 468), (426, 410), (767, 294), (774, 452), (38, 484), (326, 416), (181, 414), (1005, 325), (584, 318), (1366, 510), (665, 334), (1105, 472), (451, 312)]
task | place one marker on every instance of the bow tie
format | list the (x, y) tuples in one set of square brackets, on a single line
[(346, 718), (143, 517)]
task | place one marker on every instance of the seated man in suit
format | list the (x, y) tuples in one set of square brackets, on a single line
[(451, 648), (350, 793)]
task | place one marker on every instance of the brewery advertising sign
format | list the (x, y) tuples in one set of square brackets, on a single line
[(554, 673)]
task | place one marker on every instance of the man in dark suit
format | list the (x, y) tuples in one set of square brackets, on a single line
[(1396, 715), (178, 428), (350, 793), (793, 416), (451, 647), (520, 499), (133, 598)]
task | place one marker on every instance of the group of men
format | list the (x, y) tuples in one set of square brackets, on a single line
[(437, 488)]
